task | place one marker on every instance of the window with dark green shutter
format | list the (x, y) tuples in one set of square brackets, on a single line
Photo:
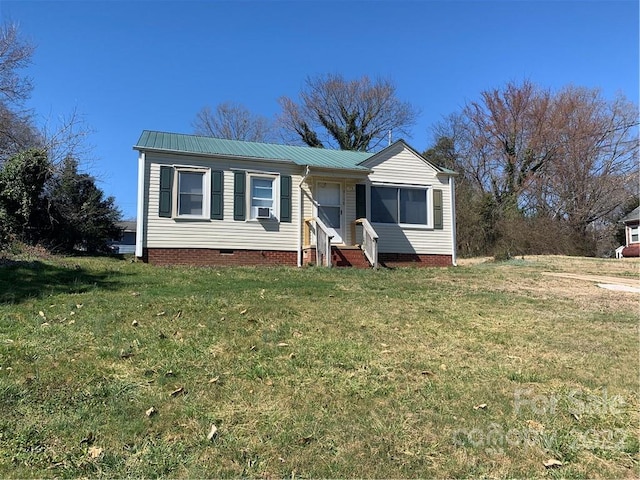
[(438, 222), (239, 201), (285, 198), (166, 191), (217, 182), (361, 201)]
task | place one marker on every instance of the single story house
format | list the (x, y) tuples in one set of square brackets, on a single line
[(632, 234), (211, 201)]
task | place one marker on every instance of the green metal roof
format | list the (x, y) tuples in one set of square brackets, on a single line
[(314, 157)]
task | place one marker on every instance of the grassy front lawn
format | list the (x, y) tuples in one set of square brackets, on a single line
[(485, 370)]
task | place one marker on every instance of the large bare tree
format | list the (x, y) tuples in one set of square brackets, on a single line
[(505, 139), (15, 54), (346, 114), (595, 169), (234, 122), (565, 161), (17, 131)]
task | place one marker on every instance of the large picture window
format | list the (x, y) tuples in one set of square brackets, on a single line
[(399, 205)]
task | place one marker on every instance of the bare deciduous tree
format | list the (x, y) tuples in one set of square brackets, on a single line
[(15, 54), (349, 115), (68, 137), (563, 161), (17, 131), (233, 122), (505, 138), (595, 169)]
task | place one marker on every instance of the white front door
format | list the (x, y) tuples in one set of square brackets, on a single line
[(329, 198)]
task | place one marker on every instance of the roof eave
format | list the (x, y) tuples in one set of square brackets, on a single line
[(447, 172), (217, 155), (362, 171)]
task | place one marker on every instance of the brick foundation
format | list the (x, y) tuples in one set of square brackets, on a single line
[(350, 257), (340, 257), (391, 260), (212, 257)]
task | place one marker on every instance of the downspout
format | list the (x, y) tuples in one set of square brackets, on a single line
[(140, 211), (452, 192), (300, 213)]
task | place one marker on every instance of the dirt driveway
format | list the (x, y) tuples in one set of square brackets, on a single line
[(572, 275), (633, 284)]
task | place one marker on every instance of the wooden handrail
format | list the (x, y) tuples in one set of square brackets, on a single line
[(369, 241), (323, 241), (367, 226)]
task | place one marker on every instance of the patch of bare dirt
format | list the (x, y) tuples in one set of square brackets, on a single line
[(628, 281)]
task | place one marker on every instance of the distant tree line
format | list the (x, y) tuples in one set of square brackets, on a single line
[(45, 198)]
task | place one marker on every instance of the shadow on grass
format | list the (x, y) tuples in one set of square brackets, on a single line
[(21, 280)]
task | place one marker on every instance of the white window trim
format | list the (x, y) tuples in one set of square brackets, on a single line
[(631, 230), (405, 226), (206, 193), (275, 211)]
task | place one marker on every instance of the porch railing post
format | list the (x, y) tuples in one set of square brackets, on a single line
[(369, 241), (323, 243)]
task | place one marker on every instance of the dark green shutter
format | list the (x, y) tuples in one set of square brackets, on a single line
[(437, 210), (239, 200), (216, 195), (361, 201), (285, 198), (166, 191)]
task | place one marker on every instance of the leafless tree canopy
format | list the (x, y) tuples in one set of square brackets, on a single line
[(233, 122), (349, 115), (595, 168), (17, 131), (15, 54), (67, 137), (570, 158)]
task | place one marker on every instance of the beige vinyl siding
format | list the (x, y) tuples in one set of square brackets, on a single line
[(219, 234), (307, 205), (400, 166)]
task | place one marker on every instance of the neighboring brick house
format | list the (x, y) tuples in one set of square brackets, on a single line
[(632, 234)]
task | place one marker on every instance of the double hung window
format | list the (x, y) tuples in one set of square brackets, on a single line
[(262, 197), (191, 188)]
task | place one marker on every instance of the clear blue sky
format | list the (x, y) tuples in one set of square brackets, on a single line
[(134, 65)]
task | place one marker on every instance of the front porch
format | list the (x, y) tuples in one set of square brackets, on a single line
[(361, 255), (319, 248)]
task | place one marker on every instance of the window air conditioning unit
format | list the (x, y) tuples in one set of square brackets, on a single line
[(264, 212)]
